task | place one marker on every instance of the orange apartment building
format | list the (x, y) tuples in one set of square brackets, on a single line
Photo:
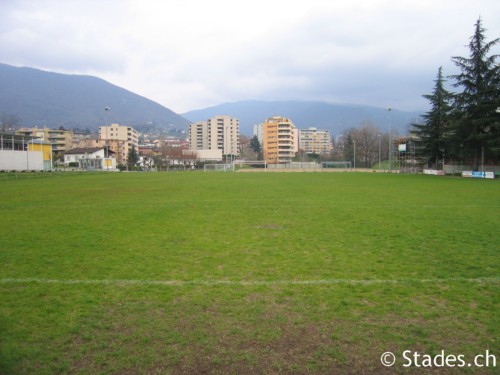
[(280, 140)]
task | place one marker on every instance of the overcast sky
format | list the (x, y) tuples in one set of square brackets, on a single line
[(191, 54)]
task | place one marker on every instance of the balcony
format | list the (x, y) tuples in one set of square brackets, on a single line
[(57, 140)]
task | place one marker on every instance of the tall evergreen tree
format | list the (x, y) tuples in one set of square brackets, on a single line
[(434, 133), (132, 157), (255, 144), (477, 120)]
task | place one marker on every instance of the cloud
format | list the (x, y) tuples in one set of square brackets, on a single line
[(188, 54), (63, 37)]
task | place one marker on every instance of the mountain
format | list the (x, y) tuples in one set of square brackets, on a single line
[(333, 117), (40, 98)]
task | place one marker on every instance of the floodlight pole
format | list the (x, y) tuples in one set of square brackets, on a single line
[(482, 158), (389, 109), (354, 142), (378, 135), (106, 109)]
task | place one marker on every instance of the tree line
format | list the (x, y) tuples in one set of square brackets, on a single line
[(461, 127), (464, 126)]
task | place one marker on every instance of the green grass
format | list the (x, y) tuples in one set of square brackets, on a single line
[(245, 273)]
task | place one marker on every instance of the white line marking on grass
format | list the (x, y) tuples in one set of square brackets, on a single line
[(254, 205), (123, 282)]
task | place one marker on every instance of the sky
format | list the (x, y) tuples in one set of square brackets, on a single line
[(192, 54)]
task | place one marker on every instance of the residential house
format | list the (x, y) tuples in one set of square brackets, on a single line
[(95, 158)]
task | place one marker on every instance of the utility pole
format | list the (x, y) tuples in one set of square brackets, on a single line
[(106, 109), (389, 109)]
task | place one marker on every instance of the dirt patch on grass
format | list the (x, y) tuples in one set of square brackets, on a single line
[(254, 333)]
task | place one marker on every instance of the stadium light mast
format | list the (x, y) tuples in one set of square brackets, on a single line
[(106, 109), (354, 142), (378, 135), (389, 109)]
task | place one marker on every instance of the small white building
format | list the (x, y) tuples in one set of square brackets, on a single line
[(146, 163), (93, 158), (21, 153)]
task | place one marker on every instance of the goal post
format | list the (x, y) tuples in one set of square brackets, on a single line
[(336, 165), (217, 168), (250, 165)]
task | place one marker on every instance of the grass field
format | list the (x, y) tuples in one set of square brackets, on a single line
[(258, 273)]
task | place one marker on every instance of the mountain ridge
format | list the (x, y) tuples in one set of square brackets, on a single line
[(42, 98), (304, 114)]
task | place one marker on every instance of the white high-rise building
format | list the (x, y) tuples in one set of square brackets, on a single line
[(218, 133), (258, 130)]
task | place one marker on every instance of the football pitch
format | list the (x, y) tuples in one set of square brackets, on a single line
[(248, 273)]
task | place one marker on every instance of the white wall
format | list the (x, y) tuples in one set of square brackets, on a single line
[(205, 154), (21, 160)]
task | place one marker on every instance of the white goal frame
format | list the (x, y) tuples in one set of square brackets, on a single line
[(217, 168), (249, 162)]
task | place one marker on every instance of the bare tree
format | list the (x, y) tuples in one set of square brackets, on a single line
[(244, 149), (9, 122), (368, 144), (364, 143)]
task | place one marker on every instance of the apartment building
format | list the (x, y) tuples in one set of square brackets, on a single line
[(280, 140), (218, 133), (61, 140), (315, 141), (258, 131), (119, 139)]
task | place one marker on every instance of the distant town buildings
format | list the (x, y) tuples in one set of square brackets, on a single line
[(315, 141), (120, 139), (61, 140), (214, 138)]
